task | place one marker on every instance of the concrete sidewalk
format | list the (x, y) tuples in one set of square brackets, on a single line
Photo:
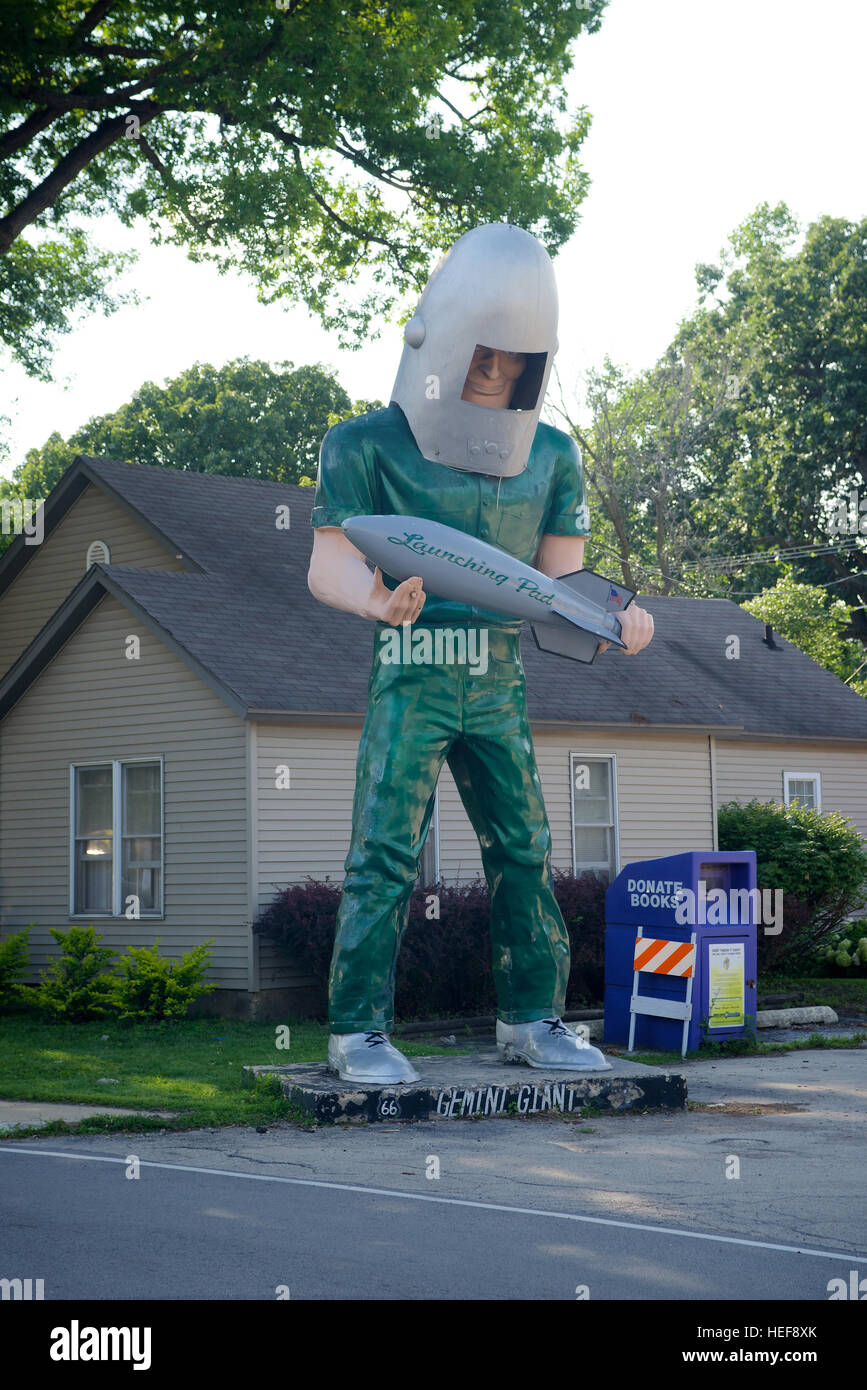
[(829, 1082), (26, 1112)]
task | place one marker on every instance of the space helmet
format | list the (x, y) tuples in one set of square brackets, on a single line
[(495, 288)]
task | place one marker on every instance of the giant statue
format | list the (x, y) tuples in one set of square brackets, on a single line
[(460, 443)]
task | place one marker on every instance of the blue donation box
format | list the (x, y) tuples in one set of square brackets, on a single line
[(680, 951)]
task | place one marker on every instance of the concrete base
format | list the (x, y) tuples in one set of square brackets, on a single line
[(467, 1087)]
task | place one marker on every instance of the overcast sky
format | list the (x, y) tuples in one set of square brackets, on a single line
[(701, 110)]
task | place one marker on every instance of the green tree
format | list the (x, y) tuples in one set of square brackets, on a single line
[(748, 437), (809, 617), (791, 443), (326, 147), (246, 419), (817, 860), (639, 444)]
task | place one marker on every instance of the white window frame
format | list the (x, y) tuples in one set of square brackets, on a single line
[(586, 758), (117, 765), (814, 777)]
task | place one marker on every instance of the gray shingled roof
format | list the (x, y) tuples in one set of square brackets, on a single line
[(248, 619)]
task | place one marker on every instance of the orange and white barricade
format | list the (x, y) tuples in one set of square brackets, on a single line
[(656, 956)]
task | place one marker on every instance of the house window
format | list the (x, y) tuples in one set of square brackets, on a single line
[(117, 839), (804, 787), (594, 816), (94, 840)]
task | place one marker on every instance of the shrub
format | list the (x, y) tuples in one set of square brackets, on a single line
[(301, 921), (844, 952), (75, 988), (14, 959), (150, 987), (582, 902), (444, 965), (819, 861)]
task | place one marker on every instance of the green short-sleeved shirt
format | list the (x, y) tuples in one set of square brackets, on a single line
[(372, 466)]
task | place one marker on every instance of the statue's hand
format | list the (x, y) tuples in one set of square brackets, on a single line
[(396, 606), (636, 630)]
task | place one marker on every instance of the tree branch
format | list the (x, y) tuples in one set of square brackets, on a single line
[(13, 140), (360, 159), (95, 15), (168, 178), (357, 232), (80, 101), (118, 50), (66, 170)]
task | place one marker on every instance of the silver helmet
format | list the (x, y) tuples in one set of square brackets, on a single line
[(495, 288)]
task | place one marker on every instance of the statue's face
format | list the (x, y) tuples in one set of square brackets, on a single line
[(492, 377)]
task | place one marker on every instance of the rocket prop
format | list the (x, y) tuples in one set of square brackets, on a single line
[(569, 616)]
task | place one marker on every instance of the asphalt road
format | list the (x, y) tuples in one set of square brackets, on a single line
[(639, 1208)]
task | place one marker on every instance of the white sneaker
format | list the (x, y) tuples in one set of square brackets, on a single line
[(548, 1043), (369, 1058)]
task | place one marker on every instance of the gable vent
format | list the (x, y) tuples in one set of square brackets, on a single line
[(97, 554)]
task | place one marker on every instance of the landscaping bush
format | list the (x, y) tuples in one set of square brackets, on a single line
[(145, 988), (818, 861), (844, 952), (582, 902), (13, 964), (301, 921), (75, 989), (150, 988), (444, 965)]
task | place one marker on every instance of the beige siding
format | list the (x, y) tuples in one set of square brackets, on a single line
[(89, 704), (663, 786), (747, 769), (302, 829), (663, 796), (56, 566)]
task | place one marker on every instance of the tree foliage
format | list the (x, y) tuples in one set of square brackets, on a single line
[(327, 148), (14, 962), (818, 861), (792, 441), (639, 449), (807, 616), (749, 436), (245, 419)]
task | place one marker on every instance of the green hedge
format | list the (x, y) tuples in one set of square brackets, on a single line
[(444, 965), (817, 860)]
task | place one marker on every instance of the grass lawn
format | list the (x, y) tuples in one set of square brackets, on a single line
[(193, 1066), (846, 995)]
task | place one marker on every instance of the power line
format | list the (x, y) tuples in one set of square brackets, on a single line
[(795, 552)]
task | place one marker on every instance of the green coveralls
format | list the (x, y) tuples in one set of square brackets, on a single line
[(422, 715)]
